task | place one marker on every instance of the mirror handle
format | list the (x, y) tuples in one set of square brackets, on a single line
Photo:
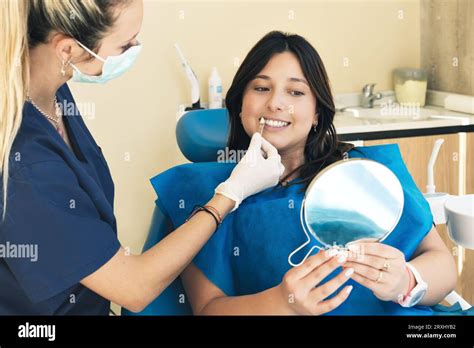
[(304, 244), (298, 249)]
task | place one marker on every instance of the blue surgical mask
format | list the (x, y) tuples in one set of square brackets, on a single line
[(114, 66)]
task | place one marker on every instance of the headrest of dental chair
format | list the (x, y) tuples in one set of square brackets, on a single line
[(202, 133)]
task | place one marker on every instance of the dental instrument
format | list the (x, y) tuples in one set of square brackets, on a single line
[(262, 125), (431, 188), (195, 96), (436, 200)]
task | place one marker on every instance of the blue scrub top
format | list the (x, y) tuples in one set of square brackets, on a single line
[(60, 203)]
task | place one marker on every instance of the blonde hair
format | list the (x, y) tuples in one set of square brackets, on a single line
[(23, 25)]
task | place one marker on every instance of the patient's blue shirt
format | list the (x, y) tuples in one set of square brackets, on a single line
[(249, 252)]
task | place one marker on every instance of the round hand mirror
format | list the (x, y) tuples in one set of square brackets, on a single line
[(350, 201)]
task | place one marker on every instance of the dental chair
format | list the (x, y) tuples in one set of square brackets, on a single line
[(200, 135)]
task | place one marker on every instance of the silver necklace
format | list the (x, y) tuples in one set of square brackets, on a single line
[(55, 119)]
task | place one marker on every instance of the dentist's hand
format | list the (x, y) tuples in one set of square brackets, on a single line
[(300, 289), (254, 172)]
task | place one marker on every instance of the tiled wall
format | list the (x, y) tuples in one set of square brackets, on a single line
[(447, 44), (447, 52)]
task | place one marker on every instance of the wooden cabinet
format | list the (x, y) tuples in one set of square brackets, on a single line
[(470, 164), (416, 152), (454, 173)]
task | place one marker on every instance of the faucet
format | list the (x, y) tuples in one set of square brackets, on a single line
[(368, 96)]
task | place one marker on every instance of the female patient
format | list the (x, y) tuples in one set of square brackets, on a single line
[(244, 269)]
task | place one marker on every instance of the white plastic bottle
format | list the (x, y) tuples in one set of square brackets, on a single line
[(215, 90)]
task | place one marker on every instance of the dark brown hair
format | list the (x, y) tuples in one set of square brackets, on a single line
[(322, 146)]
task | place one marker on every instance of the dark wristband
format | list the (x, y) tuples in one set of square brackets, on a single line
[(199, 208)]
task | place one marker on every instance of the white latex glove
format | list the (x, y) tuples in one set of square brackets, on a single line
[(254, 172)]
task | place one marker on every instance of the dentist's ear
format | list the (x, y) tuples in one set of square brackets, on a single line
[(63, 48), (68, 50)]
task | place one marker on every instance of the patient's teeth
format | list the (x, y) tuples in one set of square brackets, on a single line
[(276, 124)]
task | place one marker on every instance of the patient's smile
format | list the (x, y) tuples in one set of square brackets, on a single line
[(281, 96), (272, 124)]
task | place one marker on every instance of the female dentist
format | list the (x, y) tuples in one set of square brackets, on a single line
[(57, 192)]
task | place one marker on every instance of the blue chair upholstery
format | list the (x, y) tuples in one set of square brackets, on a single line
[(200, 135), (166, 303)]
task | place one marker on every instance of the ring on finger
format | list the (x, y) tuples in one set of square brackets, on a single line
[(386, 266)]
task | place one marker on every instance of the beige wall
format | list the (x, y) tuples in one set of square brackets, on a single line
[(135, 116)]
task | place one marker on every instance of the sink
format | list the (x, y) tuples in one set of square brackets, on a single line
[(392, 116), (393, 112), (460, 220)]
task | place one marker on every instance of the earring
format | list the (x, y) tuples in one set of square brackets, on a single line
[(316, 124), (63, 67)]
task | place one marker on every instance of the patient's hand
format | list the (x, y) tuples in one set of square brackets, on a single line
[(300, 293), (380, 268)]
